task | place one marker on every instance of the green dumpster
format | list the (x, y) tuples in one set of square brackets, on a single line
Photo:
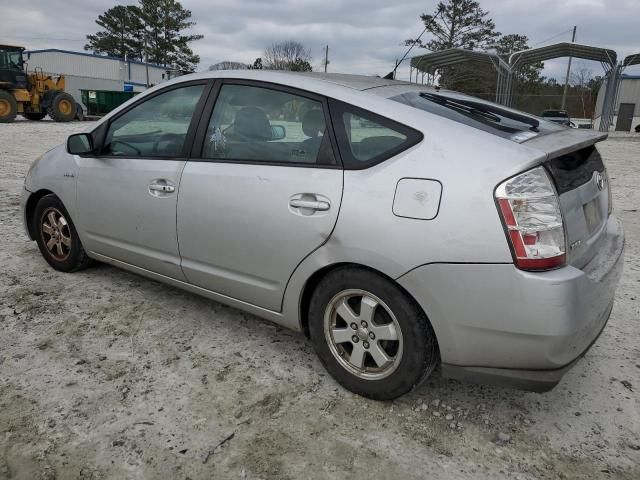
[(101, 102)]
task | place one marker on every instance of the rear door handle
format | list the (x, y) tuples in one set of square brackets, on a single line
[(318, 205)]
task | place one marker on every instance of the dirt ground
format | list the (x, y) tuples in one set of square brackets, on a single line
[(104, 374)]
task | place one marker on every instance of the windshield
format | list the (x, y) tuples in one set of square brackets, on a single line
[(490, 117), (11, 59)]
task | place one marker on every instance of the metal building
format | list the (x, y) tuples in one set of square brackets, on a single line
[(86, 71), (626, 109)]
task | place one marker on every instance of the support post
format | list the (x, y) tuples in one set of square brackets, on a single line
[(566, 80)]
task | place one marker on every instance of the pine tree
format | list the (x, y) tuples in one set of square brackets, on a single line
[(167, 45), (120, 36)]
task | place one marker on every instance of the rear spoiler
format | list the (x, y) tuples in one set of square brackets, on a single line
[(565, 141)]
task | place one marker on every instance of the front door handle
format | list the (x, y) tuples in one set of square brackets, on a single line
[(157, 187), (318, 205), (161, 187)]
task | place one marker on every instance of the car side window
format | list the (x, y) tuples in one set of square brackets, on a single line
[(365, 138), (258, 124), (157, 127)]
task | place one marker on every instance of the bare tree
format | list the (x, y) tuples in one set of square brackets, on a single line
[(228, 65), (582, 81), (287, 55)]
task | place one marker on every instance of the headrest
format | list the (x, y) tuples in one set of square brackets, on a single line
[(313, 123), (251, 122)]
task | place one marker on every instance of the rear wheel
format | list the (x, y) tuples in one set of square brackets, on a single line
[(62, 108), (34, 115), (370, 335), (8, 107), (56, 236)]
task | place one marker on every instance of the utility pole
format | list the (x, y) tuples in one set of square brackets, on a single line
[(566, 80), (146, 58), (326, 58)]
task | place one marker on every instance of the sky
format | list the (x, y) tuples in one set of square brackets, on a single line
[(364, 36)]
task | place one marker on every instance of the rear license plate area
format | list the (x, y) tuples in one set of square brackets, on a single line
[(592, 215)]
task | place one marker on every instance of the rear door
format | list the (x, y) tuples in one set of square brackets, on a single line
[(127, 196), (260, 193)]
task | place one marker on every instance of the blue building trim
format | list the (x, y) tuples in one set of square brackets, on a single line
[(104, 57)]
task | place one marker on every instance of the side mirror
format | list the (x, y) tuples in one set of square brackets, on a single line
[(80, 144), (278, 132)]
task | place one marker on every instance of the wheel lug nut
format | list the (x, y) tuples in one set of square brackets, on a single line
[(355, 339), (365, 344), (364, 324), (372, 335), (354, 326)]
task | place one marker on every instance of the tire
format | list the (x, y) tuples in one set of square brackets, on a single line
[(79, 112), (35, 116), (389, 313), (57, 237), (8, 107), (62, 107)]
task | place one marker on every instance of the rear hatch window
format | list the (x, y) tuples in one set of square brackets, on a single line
[(490, 117)]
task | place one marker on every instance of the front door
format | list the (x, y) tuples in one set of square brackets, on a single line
[(263, 195), (127, 196), (625, 117)]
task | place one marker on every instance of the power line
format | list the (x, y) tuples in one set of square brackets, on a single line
[(551, 38)]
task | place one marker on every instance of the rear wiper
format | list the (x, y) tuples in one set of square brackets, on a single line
[(478, 108)]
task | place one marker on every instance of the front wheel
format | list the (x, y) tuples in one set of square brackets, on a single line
[(56, 236), (62, 108), (370, 335)]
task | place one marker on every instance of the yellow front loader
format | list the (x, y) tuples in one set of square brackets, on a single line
[(32, 95)]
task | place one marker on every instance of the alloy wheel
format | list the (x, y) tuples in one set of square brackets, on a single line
[(363, 334), (56, 234)]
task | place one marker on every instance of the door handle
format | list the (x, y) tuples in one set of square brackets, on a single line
[(318, 205), (158, 187)]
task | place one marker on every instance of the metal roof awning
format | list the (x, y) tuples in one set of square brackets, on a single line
[(454, 56), (631, 60), (563, 49)]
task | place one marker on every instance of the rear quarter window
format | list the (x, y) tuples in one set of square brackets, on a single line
[(366, 139)]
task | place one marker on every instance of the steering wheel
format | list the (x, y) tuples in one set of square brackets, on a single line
[(136, 149)]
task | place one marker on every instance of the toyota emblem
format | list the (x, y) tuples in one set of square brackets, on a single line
[(599, 179)]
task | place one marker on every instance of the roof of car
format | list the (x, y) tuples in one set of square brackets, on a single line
[(355, 82)]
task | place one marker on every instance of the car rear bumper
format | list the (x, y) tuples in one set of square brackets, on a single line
[(498, 324)]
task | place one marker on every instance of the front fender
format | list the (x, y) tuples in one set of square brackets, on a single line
[(56, 171)]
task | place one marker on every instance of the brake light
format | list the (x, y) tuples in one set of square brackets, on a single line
[(530, 210)]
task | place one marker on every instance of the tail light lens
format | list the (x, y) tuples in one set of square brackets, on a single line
[(528, 204)]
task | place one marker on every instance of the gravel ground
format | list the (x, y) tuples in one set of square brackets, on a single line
[(104, 374)]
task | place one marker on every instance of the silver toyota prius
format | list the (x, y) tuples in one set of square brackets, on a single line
[(399, 226)]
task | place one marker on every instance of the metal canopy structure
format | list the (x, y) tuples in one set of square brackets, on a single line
[(431, 62), (608, 58), (631, 60), (453, 56), (563, 49)]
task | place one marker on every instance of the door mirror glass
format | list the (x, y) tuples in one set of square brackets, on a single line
[(80, 144), (278, 132)]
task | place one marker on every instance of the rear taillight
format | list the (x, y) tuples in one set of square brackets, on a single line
[(531, 213)]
